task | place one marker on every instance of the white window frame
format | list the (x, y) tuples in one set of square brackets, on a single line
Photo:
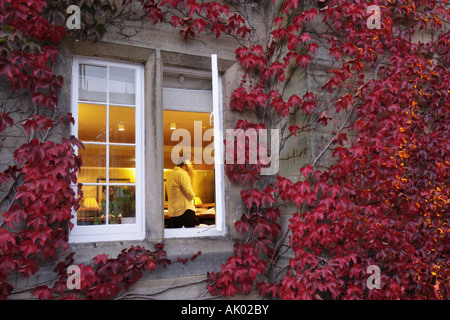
[(219, 229), (114, 232)]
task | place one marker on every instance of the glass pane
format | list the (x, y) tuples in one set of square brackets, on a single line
[(90, 211), (122, 164), (122, 205), (122, 124), (94, 164), (91, 122), (122, 86), (193, 127), (188, 133), (92, 83)]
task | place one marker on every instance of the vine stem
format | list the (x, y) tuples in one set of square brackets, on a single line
[(327, 146)]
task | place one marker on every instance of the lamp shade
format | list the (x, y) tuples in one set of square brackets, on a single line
[(90, 203)]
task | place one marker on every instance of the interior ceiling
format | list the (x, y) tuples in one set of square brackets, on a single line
[(184, 120), (92, 123)]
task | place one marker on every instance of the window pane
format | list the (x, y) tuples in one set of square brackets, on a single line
[(91, 122), (192, 134), (122, 124), (94, 164), (122, 164), (122, 203), (92, 83), (90, 211), (122, 86)]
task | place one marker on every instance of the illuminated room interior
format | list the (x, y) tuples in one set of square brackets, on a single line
[(204, 186), (92, 129)]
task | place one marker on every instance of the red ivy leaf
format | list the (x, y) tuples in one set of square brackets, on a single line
[(8, 69), (193, 7), (251, 198), (100, 258), (306, 170), (14, 214), (294, 129), (5, 121), (43, 234), (241, 226), (303, 59), (312, 47), (28, 248), (305, 37), (6, 239), (278, 21), (6, 263), (43, 293), (218, 28)]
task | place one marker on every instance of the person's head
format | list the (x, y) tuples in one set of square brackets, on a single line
[(186, 164)]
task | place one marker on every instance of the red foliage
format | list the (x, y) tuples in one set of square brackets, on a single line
[(35, 225), (386, 200), (107, 277), (194, 16)]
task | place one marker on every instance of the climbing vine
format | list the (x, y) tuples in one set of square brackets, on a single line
[(384, 202)]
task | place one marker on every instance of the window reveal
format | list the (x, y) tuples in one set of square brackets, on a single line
[(191, 127)]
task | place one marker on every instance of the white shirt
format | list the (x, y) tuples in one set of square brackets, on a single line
[(179, 192)]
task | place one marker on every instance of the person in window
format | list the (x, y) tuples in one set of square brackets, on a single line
[(181, 195)]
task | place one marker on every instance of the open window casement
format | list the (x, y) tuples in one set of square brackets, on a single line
[(192, 109)]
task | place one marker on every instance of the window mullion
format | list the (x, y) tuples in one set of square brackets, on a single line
[(107, 148)]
